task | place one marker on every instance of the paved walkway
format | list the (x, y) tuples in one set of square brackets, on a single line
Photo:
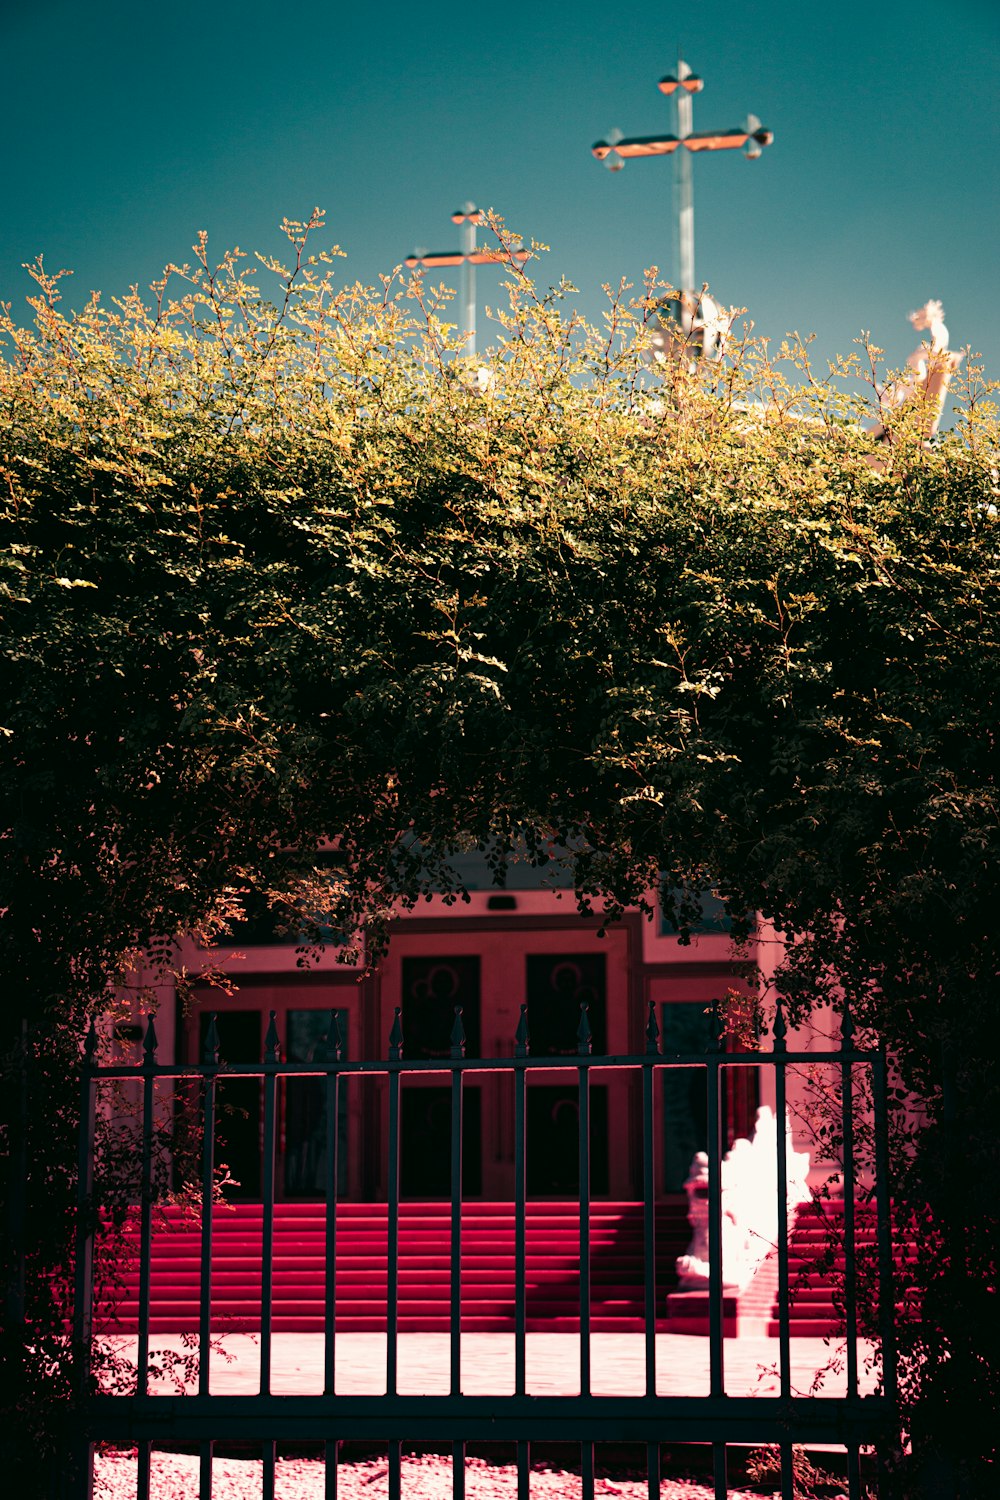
[(552, 1363)]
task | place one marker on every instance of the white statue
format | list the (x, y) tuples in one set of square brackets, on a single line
[(687, 328), (749, 1205), (932, 366)]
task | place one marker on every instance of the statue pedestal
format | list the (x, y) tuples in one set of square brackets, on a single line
[(748, 1310)]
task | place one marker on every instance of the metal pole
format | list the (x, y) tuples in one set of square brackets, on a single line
[(683, 188), (469, 282)]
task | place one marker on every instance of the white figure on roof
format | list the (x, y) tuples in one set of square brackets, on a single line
[(932, 366), (689, 327)]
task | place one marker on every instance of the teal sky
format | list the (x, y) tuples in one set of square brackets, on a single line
[(128, 128)]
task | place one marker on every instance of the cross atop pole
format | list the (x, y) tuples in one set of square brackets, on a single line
[(616, 150), (468, 257)]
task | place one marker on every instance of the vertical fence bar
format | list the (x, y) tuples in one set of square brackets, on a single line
[(457, 1081), (331, 1055), (267, 1237), (584, 1045), (392, 1226), (143, 1456), (16, 1206), (458, 1471), (521, 1045), (850, 1267), (210, 1064), (523, 1470), (395, 1466), (787, 1472), (720, 1478), (779, 1048), (267, 1474), (653, 1471), (205, 1470), (853, 1472), (83, 1296), (649, 1203), (886, 1294), (83, 1310), (717, 1379), (587, 1471), (331, 1449), (145, 1210)]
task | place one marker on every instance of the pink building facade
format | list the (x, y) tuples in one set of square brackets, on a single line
[(524, 945)]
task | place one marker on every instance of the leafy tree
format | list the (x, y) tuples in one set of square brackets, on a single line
[(282, 575)]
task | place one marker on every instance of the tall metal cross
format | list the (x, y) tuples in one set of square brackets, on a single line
[(469, 257), (616, 150)]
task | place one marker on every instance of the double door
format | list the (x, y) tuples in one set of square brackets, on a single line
[(487, 977)]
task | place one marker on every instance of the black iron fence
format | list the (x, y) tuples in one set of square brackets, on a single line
[(854, 1420)]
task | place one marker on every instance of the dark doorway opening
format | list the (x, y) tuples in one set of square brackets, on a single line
[(553, 1140)]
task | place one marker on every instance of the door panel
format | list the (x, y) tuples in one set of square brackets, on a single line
[(556, 985), (553, 1140), (431, 989), (425, 1154)]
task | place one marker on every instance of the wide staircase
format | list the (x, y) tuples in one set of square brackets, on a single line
[(299, 1277), (815, 1281)]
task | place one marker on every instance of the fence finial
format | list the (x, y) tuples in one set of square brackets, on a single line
[(150, 1043), (90, 1044), (779, 1030), (652, 1031), (846, 1027), (522, 1038), (584, 1036), (396, 1037), (458, 1035), (272, 1041), (210, 1050), (329, 1048)]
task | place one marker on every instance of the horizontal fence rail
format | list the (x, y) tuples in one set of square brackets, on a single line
[(148, 1416)]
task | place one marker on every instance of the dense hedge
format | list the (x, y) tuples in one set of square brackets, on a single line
[(277, 576)]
